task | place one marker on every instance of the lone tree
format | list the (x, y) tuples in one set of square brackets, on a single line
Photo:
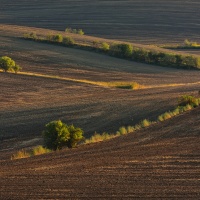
[(7, 64), (58, 135)]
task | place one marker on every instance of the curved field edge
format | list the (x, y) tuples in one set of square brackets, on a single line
[(163, 159), (141, 53)]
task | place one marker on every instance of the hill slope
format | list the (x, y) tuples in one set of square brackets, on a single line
[(154, 21), (161, 161)]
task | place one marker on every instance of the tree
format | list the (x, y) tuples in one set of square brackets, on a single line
[(6, 63), (76, 135), (58, 135), (17, 68)]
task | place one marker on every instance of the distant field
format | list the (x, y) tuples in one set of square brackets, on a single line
[(142, 21)]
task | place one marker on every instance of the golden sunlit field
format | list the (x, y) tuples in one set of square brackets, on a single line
[(78, 87)]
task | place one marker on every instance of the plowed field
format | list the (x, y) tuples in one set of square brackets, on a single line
[(160, 162), (141, 21)]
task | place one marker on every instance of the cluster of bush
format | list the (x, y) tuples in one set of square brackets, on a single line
[(127, 51), (7, 64), (75, 31), (58, 38), (154, 57)]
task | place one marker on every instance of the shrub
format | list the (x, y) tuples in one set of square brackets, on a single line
[(105, 46), (58, 38), (122, 130), (80, 32), (68, 30), (40, 150), (99, 137), (145, 123), (187, 99), (121, 50), (68, 41), (58, 135), (20, 154)]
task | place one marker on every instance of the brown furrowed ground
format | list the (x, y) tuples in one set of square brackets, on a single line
[(142, 21), (162, 161), (29, 102)]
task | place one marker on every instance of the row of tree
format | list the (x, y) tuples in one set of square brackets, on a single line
[(7, 64), (127, 51)]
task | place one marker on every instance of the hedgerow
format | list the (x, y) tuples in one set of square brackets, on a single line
[(127, 51)]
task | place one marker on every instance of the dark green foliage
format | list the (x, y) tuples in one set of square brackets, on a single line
[(124, 50), (76, 135), (6, 63), (121, 50), (58, 135)]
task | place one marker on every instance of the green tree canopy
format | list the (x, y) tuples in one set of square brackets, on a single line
[(6, 63), (58, 135)]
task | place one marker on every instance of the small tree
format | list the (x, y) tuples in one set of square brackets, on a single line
[(6, 63), (58, 135)]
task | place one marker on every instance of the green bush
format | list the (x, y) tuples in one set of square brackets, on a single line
[(121, 50), (188, 100), (68, 41), (80, 32), (57, 38), (105, 46), (58, 135), (6, 63)]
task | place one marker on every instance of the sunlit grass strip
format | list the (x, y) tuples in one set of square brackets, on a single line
[(39, 150), (143, 124), (122, 85), (20, 154)]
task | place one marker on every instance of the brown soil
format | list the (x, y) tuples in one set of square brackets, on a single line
[(159, 162), (143, 21), (28, 103), (162, 161)]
